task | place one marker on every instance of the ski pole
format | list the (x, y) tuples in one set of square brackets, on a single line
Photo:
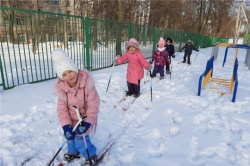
[(110, 76), (196, 56), (170, 71), (177, 53), (151, 87), (78, 115), (86, 146), (146, 80), (57, 153), (80, 119)]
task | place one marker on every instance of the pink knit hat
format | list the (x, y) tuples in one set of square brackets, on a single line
[(132, 42), (161, 41)]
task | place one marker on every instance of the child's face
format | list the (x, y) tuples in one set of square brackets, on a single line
[(131, 49), (168, 42), (161, 45), (70, 77)]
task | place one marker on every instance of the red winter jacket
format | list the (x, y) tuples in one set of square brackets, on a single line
[(160, 57)]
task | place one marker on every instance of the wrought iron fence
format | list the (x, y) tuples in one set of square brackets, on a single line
[(27, 38)]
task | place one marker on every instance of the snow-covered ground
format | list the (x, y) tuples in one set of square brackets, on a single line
[(177, 128)]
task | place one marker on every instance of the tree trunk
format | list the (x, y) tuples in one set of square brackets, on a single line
[(119, 28)]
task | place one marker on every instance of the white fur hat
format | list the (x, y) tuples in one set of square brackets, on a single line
[(62, 62)]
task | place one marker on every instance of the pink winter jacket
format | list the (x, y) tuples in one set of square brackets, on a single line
[(136, 63), (69, 97)]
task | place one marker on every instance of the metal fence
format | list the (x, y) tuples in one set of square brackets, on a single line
[(27, 37)]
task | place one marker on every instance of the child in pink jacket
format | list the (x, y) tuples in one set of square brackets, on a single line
[(136, 63), (75, 89)]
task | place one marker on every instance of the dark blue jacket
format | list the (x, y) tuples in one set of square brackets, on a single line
[(170, 49), (188, 49)]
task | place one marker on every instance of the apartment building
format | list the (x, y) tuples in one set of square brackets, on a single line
[(18, 26)]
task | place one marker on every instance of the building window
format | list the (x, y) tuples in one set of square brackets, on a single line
[(31, 7), (21, 38), (61, 11), (40, 8), (42, 22), (67, 3), (54, 37), (55, 3), (20, 21), (51, 23), (4, 3)]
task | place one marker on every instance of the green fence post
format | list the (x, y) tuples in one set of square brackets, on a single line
[(181, 39), (87, 43), (155, 36), (131, 31), (1, 67)]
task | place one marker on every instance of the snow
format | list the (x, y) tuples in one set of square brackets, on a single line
[(177, 128)]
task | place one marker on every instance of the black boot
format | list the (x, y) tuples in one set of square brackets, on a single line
[(168, 72), (93, 160), (69, 156), (136, 95), (129, 94)]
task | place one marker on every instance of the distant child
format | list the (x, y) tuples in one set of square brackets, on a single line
[(75, 88), (188, 51), (136, 63), (170, 49), (160, 56)]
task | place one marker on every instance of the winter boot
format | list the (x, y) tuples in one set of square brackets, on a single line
[(69, 157), (129, 93), (168, 72), (93, 160), (161, 78), (136, 95)]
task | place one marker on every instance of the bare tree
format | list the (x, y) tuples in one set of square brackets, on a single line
[(119, 27), (204, 14), (221, 20), (205, 17)]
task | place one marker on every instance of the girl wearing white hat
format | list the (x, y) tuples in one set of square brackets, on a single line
[(75, 89)]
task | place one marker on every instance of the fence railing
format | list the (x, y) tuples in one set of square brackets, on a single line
[(27, 38)]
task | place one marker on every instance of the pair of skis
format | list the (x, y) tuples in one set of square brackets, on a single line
[(101, 155), (126, 107), (184, 63)]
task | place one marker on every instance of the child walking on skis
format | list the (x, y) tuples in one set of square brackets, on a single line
[(188, 51), (136, 63), (75, 89), (170, 49), (160, 56)]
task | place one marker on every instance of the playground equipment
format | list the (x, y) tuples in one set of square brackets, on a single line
[(236, 46), (232, 83)]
